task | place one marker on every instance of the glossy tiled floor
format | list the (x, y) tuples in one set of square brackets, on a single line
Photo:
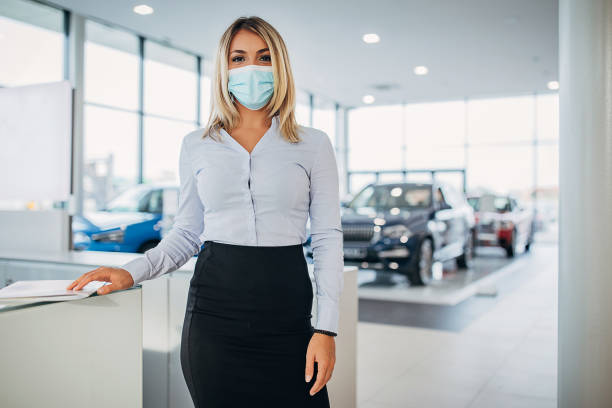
[(504, 358)]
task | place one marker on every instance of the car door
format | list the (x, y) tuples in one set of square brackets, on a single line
[(521, 220), (443, 224), (457, 225)]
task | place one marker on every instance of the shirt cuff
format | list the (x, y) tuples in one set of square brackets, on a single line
[(327, 314), (138, 268)]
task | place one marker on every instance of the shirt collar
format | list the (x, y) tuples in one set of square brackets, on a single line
[(271, 132)]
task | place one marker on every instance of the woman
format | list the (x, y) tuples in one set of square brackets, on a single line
[(249, 182)]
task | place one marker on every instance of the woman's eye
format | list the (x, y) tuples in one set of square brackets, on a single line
[(238, 59), (266, 58)]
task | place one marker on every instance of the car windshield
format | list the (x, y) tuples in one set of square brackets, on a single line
[(386, 197), (131, 200), (490, 203)]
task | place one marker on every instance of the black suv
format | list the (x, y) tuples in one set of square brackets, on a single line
[(406, 227)]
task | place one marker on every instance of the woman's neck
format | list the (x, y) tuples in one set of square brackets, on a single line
[(252, 119)]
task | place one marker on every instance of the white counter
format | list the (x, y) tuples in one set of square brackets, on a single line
[(79, 353), (164, 302)]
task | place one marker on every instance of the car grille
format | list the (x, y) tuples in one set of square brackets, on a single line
[(358, 232)]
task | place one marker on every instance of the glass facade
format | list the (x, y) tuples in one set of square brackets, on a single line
[(505, 144), (324, 117), (32, 39)]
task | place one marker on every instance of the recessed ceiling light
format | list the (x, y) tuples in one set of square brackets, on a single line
[(421, 70), (371, 38), (368, 99), (143, 9), (553, 85)]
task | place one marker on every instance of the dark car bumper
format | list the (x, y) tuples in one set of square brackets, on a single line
[(392, 255)]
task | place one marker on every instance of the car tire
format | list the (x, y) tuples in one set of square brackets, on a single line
[(511, 247), (529, 241), (146, 246), (466, 259), (422, 272)]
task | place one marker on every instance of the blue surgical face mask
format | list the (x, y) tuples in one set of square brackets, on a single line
[(252, 85)]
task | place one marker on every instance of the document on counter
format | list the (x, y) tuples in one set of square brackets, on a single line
[(47, 290)]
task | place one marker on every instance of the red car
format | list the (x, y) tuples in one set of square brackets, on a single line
[(502, 221)]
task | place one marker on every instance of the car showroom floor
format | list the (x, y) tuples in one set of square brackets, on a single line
[(482, 351)]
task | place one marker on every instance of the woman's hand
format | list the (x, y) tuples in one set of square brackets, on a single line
[(118, 277), (322, 349)]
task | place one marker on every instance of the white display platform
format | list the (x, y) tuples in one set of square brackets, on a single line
[(78, 353)]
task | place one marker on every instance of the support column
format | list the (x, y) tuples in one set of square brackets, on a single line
[(76, 50), (341, 147), (585, 246)]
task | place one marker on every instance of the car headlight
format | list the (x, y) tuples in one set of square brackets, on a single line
[(109, 236), (395, 231)]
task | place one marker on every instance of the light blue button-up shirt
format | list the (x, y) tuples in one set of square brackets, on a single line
[(259, 199)]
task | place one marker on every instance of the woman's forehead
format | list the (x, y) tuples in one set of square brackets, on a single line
[(247, 40)]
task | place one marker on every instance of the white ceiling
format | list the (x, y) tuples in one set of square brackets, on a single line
[(472, 48)]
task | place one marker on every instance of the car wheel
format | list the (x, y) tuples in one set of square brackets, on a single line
[(466, 259), (511, 247), (422, 273), (147, 245), (529, 241)]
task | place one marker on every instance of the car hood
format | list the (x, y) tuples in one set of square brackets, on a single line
[(105, 220), (406, 217)]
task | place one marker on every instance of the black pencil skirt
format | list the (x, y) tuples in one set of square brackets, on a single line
[(247, 328)]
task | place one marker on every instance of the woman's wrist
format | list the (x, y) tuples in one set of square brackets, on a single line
[(327, 332)]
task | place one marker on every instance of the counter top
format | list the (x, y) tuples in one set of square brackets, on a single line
[(10, 305)]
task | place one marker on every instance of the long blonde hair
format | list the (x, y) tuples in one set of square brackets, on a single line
[(223, 112)]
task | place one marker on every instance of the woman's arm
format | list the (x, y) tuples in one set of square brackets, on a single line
[(183, 240), (326, 233)]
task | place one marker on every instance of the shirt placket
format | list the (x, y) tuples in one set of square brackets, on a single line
[(248, 186), (250, 198)]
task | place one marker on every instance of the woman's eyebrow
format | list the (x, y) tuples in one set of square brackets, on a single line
[(244, 52)]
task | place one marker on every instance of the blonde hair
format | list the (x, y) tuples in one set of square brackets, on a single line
[(223, 112)]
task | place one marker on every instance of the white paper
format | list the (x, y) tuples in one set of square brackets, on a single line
[(49, 289)]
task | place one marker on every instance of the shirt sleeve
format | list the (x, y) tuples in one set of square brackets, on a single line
[(183, 240), (326, 235)]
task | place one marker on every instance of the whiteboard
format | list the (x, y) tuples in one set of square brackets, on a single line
[(35, 141)]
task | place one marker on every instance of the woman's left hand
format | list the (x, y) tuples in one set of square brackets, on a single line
[(322, 349)]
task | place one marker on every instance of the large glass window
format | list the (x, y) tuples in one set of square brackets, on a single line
[(375, 138), (170, 88), (110, 114), (170, 80), (162, 142), (324, 117), (430, 142), (499, 120), (302, 108), (111, 154), (111, 67), (206, 96), (502, 168), (32, 40), (506, 144), (547, 110)]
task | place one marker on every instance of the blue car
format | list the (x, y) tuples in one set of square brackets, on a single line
[(132, 222)]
